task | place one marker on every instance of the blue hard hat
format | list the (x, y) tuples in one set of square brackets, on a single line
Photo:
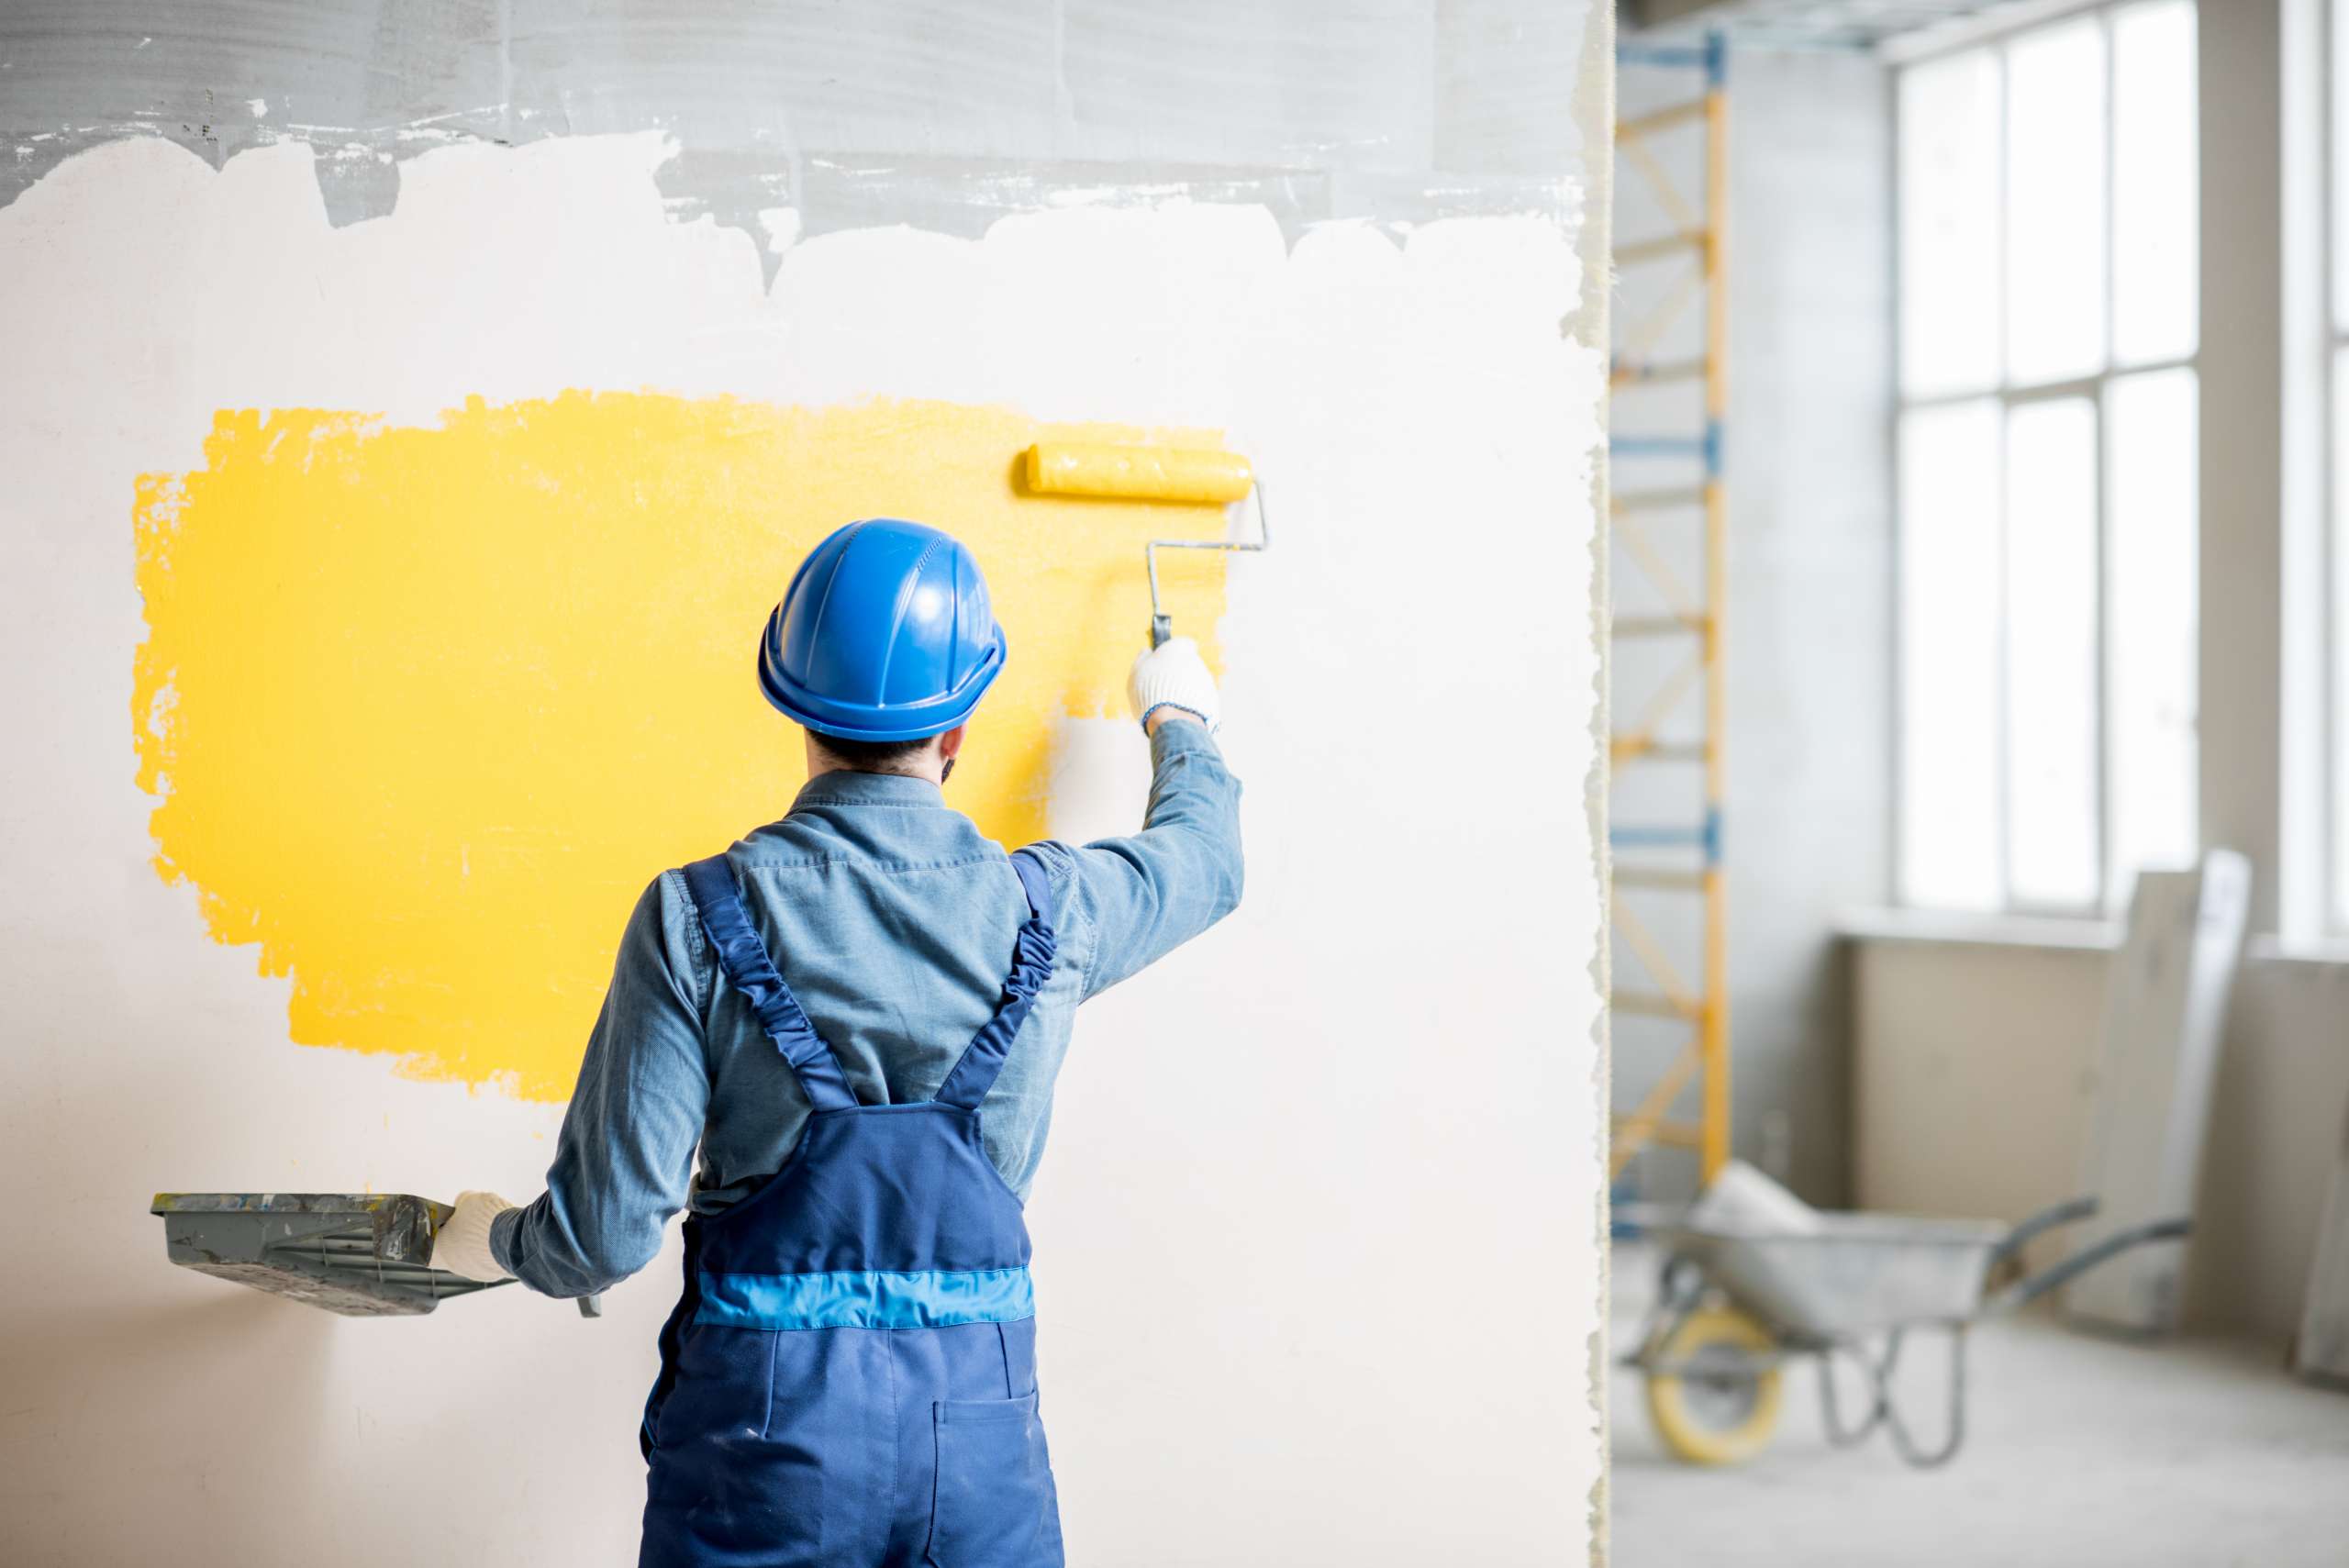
[(885, 634)]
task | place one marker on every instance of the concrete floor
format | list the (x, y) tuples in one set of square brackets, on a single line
[(2080, 1451)]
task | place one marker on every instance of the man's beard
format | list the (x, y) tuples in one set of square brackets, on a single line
[(947, 772)]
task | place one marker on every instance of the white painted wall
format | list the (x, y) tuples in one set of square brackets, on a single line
[(1324, 1292)]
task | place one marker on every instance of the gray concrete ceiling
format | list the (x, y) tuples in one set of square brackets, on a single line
[(1832, 23)]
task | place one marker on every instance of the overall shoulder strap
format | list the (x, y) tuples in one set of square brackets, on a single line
[(1031, 966), (750, 970)]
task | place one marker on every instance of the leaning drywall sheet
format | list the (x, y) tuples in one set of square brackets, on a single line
[(2164, 1015), (378, 602), (2322, 1350)]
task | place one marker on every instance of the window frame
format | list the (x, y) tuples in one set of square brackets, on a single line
[(2331, 691), (2006, 394)]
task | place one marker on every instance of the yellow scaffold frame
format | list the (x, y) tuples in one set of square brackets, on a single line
[(1704, 1007)]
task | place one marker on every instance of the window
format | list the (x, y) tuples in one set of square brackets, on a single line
[(2336, 904), (2048, 200)]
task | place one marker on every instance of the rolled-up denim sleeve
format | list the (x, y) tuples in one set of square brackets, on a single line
[(623, 1163), (1149, 893)]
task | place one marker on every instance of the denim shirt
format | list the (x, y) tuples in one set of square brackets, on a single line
[(892, 921)]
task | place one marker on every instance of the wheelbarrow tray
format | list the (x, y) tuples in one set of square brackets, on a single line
[(1849, 1275)]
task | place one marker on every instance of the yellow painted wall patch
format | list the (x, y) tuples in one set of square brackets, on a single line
[(426, 708)]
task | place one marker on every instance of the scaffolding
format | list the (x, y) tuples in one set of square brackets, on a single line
[(1645, 853)]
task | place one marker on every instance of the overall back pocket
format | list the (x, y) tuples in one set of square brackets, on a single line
[(993, 1506)]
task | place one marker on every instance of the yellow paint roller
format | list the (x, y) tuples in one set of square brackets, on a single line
[(1178, 475)]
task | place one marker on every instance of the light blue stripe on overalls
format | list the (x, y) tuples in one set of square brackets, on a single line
[(932, 1298)]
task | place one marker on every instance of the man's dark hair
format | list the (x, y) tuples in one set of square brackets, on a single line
[(872, 756)]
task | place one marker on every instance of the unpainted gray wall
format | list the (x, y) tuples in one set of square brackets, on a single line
[(915, 111), (1807, 629), (1976, 1060), (1810, 583)]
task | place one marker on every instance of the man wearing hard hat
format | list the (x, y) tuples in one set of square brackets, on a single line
[(856, 1015)]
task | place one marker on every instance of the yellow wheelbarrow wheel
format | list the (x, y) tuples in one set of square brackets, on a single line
[(1720, 1404)]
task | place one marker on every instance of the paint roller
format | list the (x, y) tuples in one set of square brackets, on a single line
[(1175, 475)]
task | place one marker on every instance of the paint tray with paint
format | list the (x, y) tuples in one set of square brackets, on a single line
[(359, 1255)]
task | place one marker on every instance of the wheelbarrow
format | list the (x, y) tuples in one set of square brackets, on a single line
[(1748, 1286)]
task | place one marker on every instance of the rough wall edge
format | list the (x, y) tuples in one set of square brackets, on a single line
[(1595, 114), (826, 190)]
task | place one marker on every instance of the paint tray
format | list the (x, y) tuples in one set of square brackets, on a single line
[(361, 1254)]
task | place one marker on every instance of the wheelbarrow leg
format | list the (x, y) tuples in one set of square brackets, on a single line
[(1876, 1372), (1906, 1445)]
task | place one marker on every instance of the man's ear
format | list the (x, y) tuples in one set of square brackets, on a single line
[(951, 743)]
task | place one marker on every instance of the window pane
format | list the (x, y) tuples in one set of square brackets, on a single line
[(1949, 224), (2339, 694), (1949, 656), (2340, 84), (2051, 664), (2055, 202), (2155, 156), (2151, 570)]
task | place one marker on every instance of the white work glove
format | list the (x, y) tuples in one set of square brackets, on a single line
[(1174, 675), (461, 1246)]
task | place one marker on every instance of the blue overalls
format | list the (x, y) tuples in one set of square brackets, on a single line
[(849, 1378)]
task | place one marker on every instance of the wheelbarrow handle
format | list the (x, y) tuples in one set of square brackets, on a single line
[(2071, 1211), (2080, 1263)]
